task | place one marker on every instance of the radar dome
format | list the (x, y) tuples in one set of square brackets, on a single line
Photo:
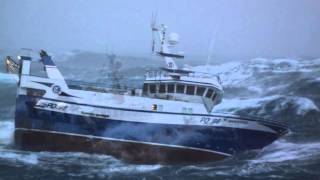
[(173, 38)]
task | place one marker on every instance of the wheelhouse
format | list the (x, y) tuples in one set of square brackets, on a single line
[(186, 87)]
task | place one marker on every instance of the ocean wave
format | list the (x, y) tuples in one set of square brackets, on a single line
[(269, 106), (233, 105), (17, 158), (8, 78), (257, 71), (6, 132), (89, 165), (282, 151), (280, 160), (286, 159)]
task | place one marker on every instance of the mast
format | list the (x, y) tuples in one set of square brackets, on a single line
[(165, 44)]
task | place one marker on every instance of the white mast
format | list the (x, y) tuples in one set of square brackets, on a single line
[(211, 45), (165, 44)]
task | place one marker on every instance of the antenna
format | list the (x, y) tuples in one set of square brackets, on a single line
[(210, 49), (154, 22), (164, 43), (154, 29), (212, 39)]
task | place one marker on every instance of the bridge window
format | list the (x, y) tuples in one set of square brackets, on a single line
[(162, 88), (180, 88), (190, 90), (214, 96), (170, 88), (152, 88), (145, 87), (209, 93), (200, 91)]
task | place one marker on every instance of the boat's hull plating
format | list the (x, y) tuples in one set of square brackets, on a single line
[(130, 151), (136, 142)]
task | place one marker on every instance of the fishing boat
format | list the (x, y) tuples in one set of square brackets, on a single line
[(168, 121)]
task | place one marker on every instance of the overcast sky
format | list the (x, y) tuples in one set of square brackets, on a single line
[(239, 28)]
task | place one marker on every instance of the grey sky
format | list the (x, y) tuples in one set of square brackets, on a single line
[(245, 28)]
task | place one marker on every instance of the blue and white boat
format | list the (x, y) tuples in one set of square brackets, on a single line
[(168, 120)]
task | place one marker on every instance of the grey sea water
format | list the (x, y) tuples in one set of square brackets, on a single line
[(281, 89)]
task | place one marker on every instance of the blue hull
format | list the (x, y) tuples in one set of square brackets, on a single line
[(213, 143)]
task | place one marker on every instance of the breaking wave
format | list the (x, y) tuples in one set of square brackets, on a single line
[(8, 78), (6, 132)]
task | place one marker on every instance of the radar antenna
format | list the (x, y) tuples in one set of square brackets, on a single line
[(164, 43), (154, 29)]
